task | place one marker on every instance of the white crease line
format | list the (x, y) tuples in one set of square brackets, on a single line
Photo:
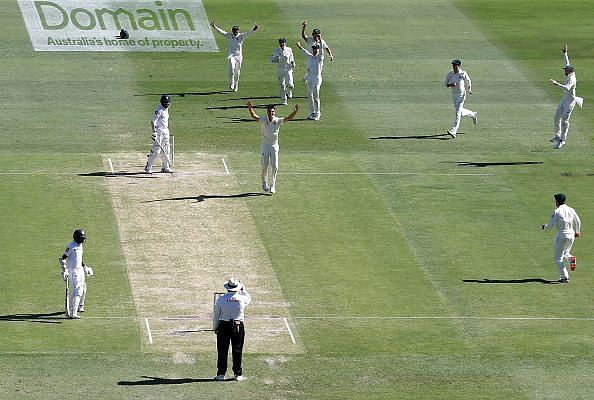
[(225, 165), (110, 165), (290, 332), (459, 317), (206, 173), (148, 329)]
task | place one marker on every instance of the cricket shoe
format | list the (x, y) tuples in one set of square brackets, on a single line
[(475, 118), (81, 309), (272, 189), (167, 170), (74, 316), (452, 134), (264, 186), (312, 116), (555, 138), (148, 170), (219, 378), (238, 378), (563, 280), (572, 263), (560, 144)]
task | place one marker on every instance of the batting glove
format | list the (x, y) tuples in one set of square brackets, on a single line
[(88, 270), (62, 263), (65, 274)]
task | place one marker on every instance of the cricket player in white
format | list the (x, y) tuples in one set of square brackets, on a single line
[(313, 80), (74, 269), (567, 103), (270, 126), (316, 38), (160, 136), (460, 82), (568, 225), (285, 63), (234, 52)]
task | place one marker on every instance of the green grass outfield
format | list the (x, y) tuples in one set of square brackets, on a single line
[(414, 265)]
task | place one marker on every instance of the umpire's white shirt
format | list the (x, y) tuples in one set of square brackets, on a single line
[(270, 129), (461, 79), (161, 119), (74, 254), (230, 307), (564, 218)]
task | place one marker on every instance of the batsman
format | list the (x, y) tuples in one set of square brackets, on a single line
[(73, 273), (160, 136)]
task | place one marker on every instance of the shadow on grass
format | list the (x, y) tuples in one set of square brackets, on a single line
[(511, 281), (183, 94), (153, 380), (203, 197), (443, 136), (493, 164), (44, 318), (139, 174)]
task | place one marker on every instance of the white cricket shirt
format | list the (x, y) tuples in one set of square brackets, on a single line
[(74, 254), (461, 79), (161, 118), (270, 129), (285, 58), (235, 48), (565, 218)]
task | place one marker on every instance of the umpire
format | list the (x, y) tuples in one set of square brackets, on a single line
[(227, 322)]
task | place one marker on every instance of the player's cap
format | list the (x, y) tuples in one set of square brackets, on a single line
[(315, 46), (235, 28), (282, 40), (316, 32), (456, 62), (569, 68), (560, 197)]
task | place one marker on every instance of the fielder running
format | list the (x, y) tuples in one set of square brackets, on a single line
[(234, 52), (285, 63), (568, 225), (460, 82), (227, 323), (313, 80), (160, 136), (73, 270), (270, 126), (567, 103)]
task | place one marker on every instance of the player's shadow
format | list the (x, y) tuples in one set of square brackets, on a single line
[(204, 197), (153, 380), (511, 281), (136, 174), (262, 98), (183, 94), (441, 136), (43, 318), (493, 164)]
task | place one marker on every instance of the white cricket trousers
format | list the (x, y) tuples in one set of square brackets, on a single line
[(234, 71), (562, 118), (285, 81), (562, 246), (460, 111), (76, 278), (161, 138), (313, 96), (268, 159)]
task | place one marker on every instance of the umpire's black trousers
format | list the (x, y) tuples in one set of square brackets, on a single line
[(230, 332)]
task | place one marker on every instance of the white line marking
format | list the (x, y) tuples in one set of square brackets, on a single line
[(367, 318), (197, 173), (110, 165), (148, 329), (290, 332), (460, 317), (225, 164)]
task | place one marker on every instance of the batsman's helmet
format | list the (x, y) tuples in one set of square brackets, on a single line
[(79, 236), (165, 100), (456, 62), (560, 197)]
